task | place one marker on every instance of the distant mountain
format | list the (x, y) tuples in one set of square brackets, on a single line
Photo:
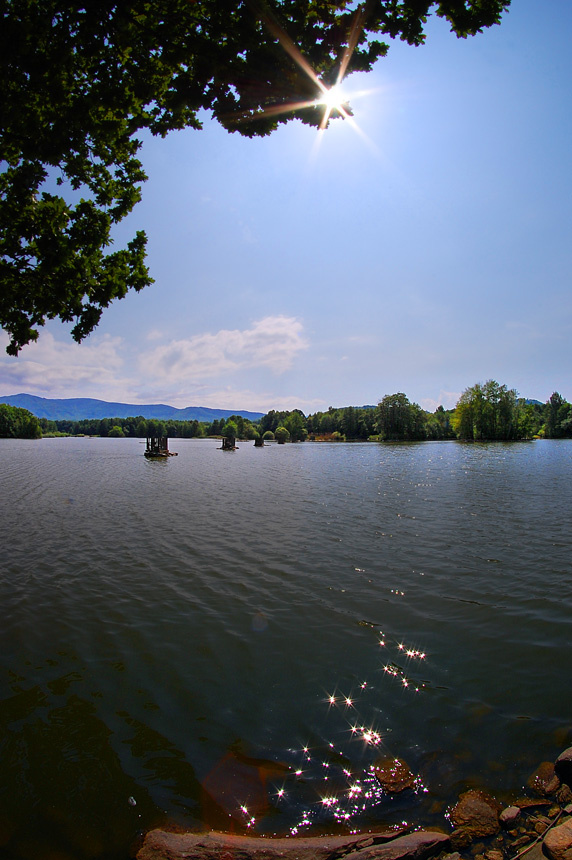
[(78, 408)]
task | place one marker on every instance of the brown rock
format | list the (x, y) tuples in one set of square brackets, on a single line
[(531, 803), (461, 838), (493, 854), (563, 766), (564, 795), (393, 775), (478, 812), (509, 815), (522, 840), (544, 780), (558, 842), (160, 845), (413, 846)]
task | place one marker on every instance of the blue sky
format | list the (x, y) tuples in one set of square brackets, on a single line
[(423, 251)]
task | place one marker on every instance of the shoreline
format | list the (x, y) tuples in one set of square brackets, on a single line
[(535, 826)]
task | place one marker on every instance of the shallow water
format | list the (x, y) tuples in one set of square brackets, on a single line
[(199, 640)]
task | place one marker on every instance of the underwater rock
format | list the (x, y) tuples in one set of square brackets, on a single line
[(393, 775), (477, 814), (544, 780), (508, 816)]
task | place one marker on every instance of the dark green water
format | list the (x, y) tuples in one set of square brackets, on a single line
[(198, 640)]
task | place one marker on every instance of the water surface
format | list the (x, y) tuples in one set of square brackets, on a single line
[(233, 639)]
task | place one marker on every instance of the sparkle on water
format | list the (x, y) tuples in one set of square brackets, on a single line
[(354, 790)]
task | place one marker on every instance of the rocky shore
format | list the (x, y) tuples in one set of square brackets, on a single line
[(534, 827)]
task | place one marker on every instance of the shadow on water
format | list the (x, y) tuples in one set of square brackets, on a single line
[(61, 779)]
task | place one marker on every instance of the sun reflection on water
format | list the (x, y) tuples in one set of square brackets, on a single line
[(338, 778)]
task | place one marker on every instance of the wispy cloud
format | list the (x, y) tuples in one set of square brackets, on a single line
[(272, 342), (198, 371), (236, 398), (55, 368)]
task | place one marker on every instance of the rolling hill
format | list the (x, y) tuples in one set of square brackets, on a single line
[(78, 408)]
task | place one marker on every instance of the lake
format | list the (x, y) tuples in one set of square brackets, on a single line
[(233, 639)]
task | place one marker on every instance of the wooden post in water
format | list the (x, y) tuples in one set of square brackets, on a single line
[(158, 446)]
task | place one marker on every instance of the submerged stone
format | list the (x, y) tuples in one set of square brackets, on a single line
[(393, 775), (544, 780), (476, 813), (509, 816)]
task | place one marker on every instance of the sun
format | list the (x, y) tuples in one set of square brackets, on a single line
[(335, 101)]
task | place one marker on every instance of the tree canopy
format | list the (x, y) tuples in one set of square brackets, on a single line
[(487, 411), (17, 423), (81, 81)]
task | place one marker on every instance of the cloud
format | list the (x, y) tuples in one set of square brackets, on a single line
[(63, 369), (446, 399), (272, 342), (254, 401), (196, 371)]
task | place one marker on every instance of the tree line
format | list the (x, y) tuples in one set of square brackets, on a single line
[(140, 428), (484, 412)]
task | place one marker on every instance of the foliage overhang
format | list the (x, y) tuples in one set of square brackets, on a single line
[(79, 82)]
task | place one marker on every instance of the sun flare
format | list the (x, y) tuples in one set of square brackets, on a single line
[(333, 98), (335, 101)]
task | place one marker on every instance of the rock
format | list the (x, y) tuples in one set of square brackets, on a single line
[(493, 854), (530, 803), (160, 845), (558, 842), (522, 840), (564, 795), (478, 813), (460, 838), (509, 815), (563, 766), (413, 846), (544, 780), (393, 775)]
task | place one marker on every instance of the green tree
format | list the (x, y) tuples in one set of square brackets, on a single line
[(438, 425), (295, 423), (80, 82), (281, 435), (400, 420), (487, 411), (557, 413), (17, 423), (230, 430), (116, 431)]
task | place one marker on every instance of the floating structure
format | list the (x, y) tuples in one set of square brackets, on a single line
[(228, 444), (158, 447)]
